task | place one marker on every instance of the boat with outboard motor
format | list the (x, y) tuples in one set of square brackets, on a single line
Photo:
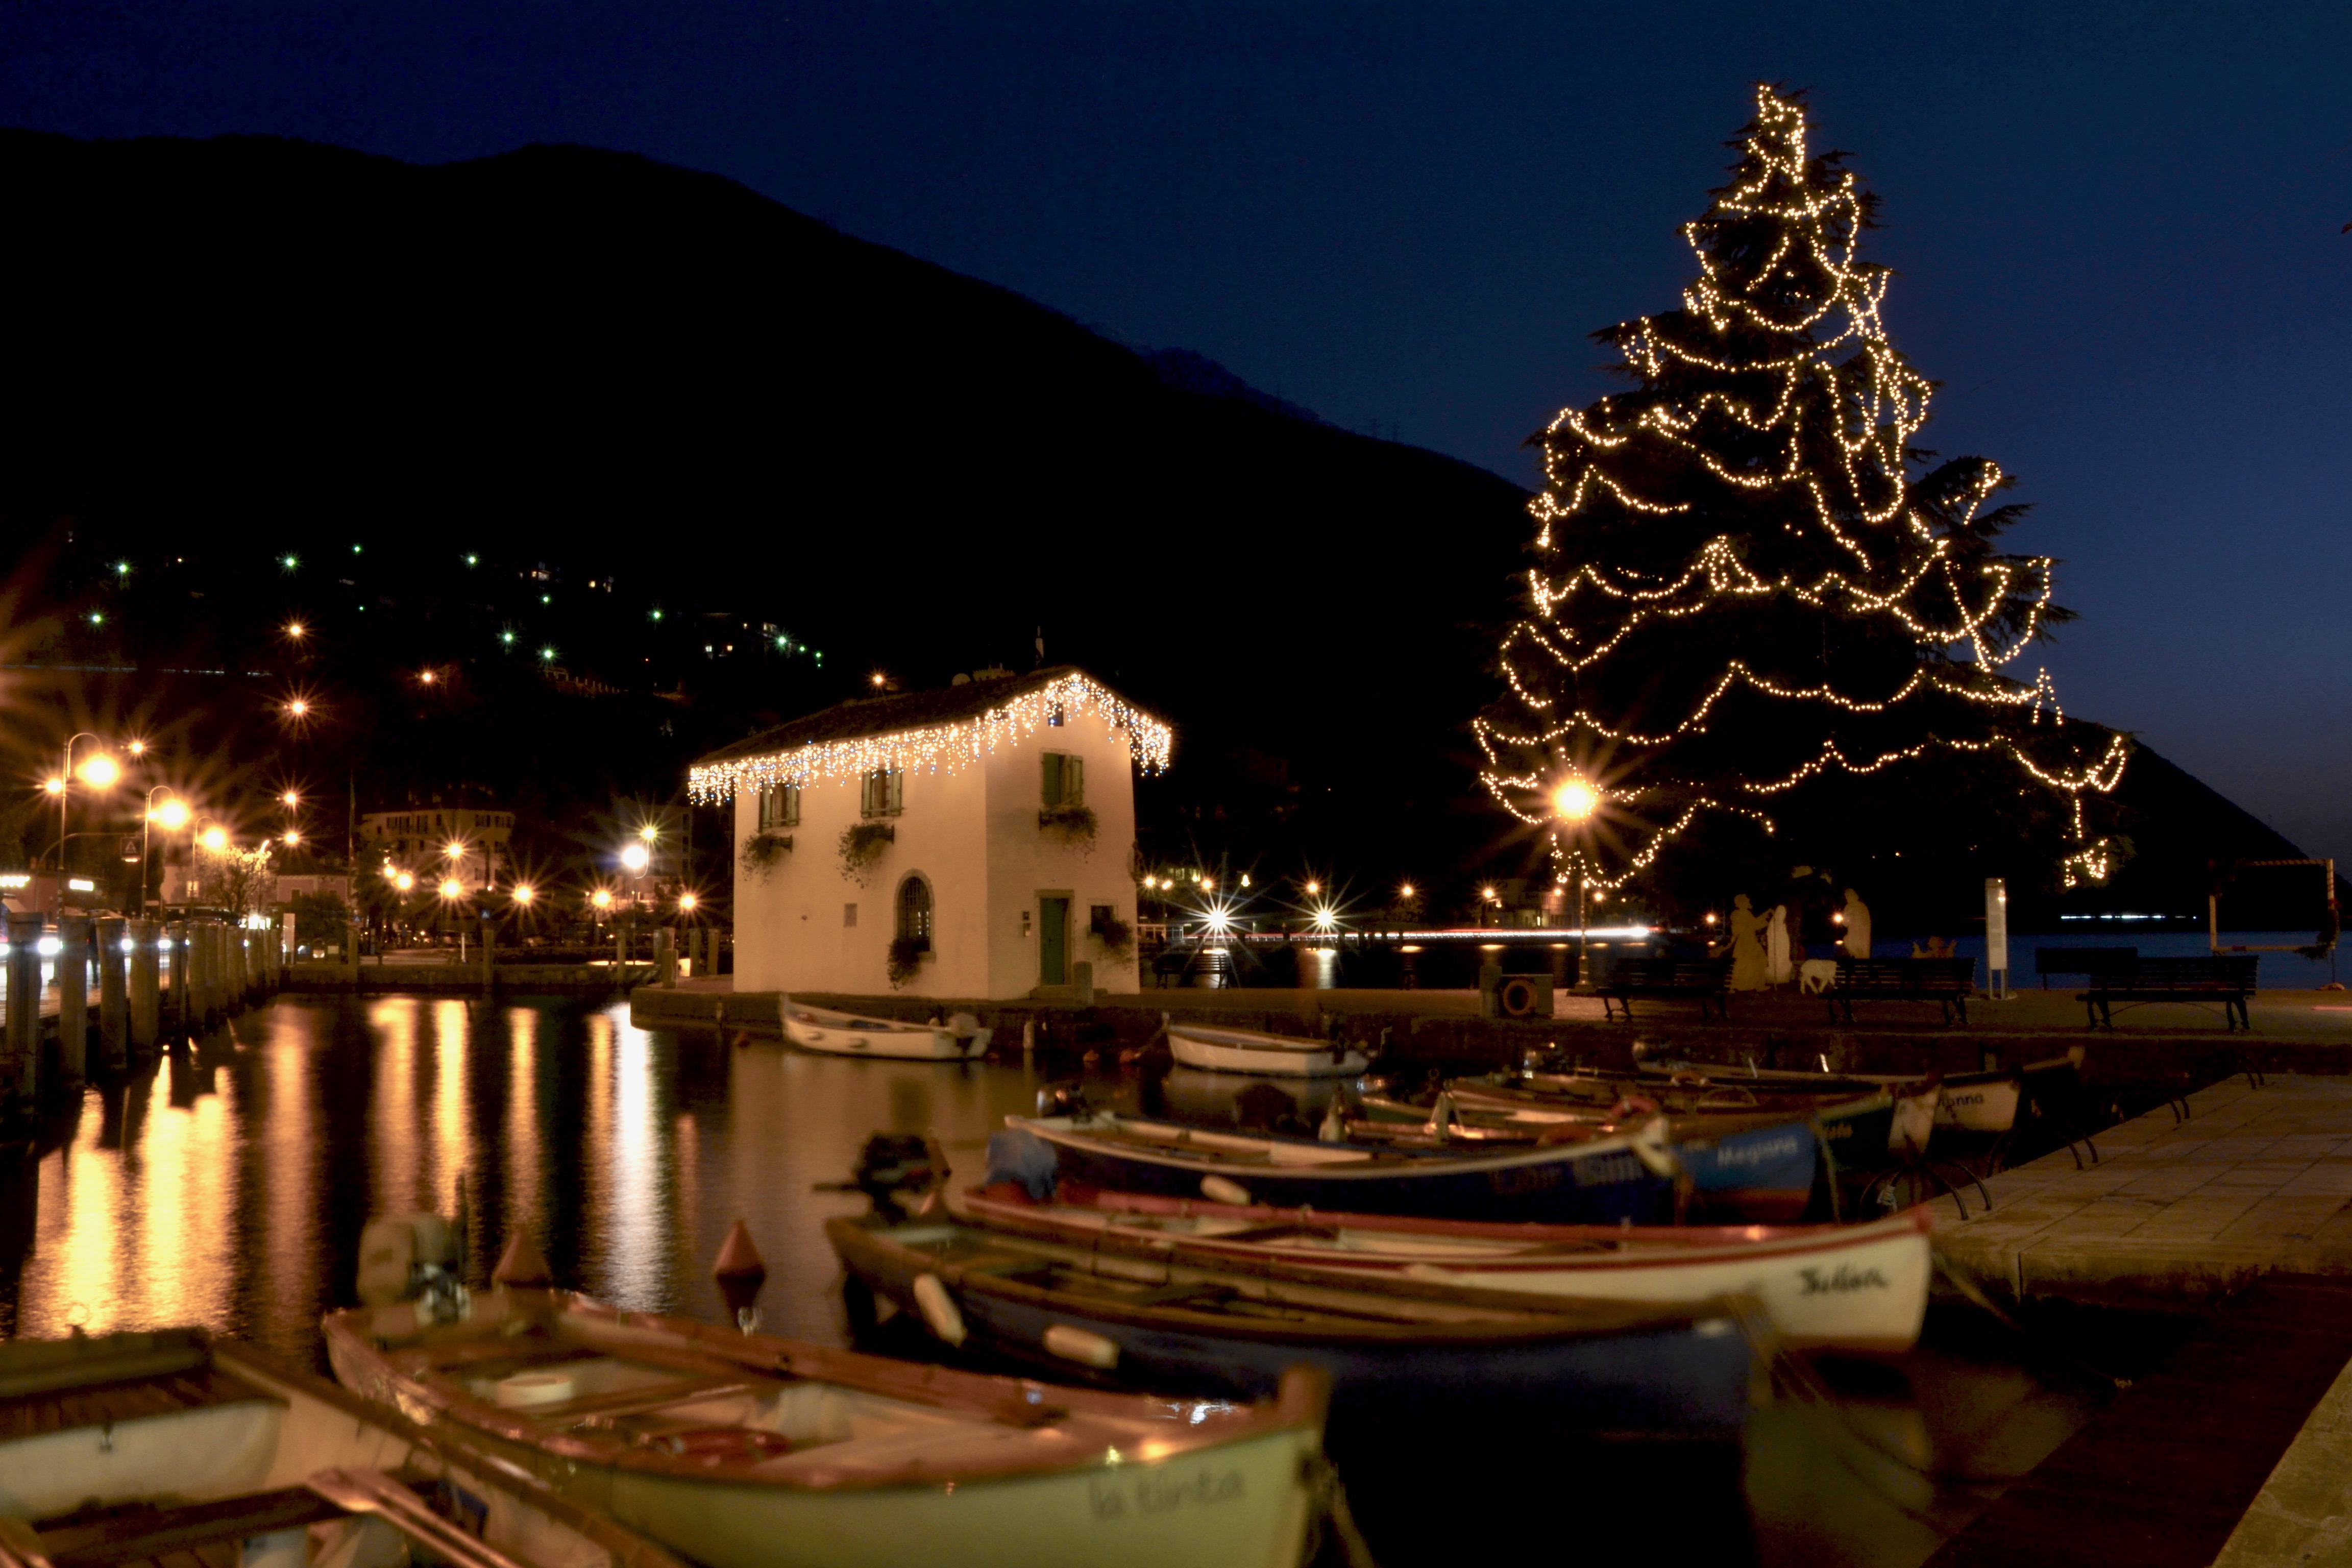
[(812, 1029), (1456, 1360), (1859, 1287), (170, 1450), (747, 1451)]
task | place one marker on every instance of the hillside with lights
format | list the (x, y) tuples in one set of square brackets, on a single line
[(526, 479)]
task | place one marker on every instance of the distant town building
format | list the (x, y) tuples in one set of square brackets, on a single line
[(972, 842), (419, 839)]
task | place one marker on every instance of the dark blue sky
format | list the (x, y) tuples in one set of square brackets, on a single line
[(2116, 230)]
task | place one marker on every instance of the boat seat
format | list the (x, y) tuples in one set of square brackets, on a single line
[(138, 1533), (1197, 1292)]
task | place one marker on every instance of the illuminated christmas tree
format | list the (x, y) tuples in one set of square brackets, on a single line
[(1751, 591)]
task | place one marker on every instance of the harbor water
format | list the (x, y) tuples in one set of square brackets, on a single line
[(228, 1190)]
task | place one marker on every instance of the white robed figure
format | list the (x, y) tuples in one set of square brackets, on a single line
[(1747, 946), (1857, 925), (1776, 968)]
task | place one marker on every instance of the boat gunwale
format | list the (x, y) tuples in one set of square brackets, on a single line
[(1300, 1402), (1380, 1164), (1521, 1319), (1661, 1247)]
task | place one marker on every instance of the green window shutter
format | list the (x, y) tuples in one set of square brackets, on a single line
[(1073, 781), (1052, 795)]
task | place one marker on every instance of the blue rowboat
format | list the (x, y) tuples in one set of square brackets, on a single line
[(1619, 1177), (1445, 1359)]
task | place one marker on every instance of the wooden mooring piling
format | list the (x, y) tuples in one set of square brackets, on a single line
[(119, 990)]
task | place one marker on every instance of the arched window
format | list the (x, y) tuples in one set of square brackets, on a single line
[(915, 909)]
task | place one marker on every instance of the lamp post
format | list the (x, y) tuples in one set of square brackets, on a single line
[(99, 772), (1573, 801)]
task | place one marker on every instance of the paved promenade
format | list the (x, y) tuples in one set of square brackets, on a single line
[(2176, 1213)]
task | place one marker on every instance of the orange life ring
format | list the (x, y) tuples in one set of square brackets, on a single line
[(1517, 997)]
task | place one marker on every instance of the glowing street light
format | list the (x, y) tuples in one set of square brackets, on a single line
[(455, 849), (452, 888), (295, 630), (98, 771), (601, 898), (685, 902), (138, 748), (1404, 891), (1575, 800), (298, 708), (428, 677), (53, 785), (171, 815), (292, 838), (1313, 888), (215, 838), (403, 880), (635, 857), (291, 800), (523, 892)]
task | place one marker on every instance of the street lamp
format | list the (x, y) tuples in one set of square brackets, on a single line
[(524, 894), (685, 902), (98, 771), (635, 857), (1573, 801)]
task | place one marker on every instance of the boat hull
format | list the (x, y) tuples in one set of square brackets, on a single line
[(1213, 1052), (1861, 1287), (1602, 1183), (845, 1034), (1249, 1500), (1686, 1380)]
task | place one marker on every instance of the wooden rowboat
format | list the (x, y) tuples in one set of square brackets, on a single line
[(1848, 1287), (1250, 1051), (814, 1028), (168, 1450), (1862, 1124), (1624, 1176), (1458, 1360), (743, 1452)]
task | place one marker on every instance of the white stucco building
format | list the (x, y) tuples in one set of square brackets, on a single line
[(986, 830)]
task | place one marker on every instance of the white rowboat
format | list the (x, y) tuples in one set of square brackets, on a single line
[(961, 1039), (744, 1451), (1249, 1051), (1851, 1287), (167, 1448)]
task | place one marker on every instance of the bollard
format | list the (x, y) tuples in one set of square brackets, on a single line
[(204, 953), (146, 1010), (489, 960), (666, 957), (21, 1060), (113, 998), (175, 963), (73, 994)]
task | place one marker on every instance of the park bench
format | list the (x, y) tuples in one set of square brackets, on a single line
[(2050, 961), (1703, 980), (1946, 982), (2228, 980)]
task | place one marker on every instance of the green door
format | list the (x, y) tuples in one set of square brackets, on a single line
[(1053, 942)]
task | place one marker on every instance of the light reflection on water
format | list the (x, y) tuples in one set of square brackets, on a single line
[(229, 1191)]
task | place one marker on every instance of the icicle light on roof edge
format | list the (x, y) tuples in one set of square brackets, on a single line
[(936, 748)]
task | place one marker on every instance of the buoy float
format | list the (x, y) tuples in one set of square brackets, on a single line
[(1217, 1189), (740, 1272), (937, 1304), (1080, 1345), (523, 1265)]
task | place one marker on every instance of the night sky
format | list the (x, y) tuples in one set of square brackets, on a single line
[(2117, 231)]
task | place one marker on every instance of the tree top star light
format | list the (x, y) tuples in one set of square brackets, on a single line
[(1748, 577)]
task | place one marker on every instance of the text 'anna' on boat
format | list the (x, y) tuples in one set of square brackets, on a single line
[(746, 1451)]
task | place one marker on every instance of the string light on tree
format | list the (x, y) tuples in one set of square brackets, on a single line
[(1750, 576)]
